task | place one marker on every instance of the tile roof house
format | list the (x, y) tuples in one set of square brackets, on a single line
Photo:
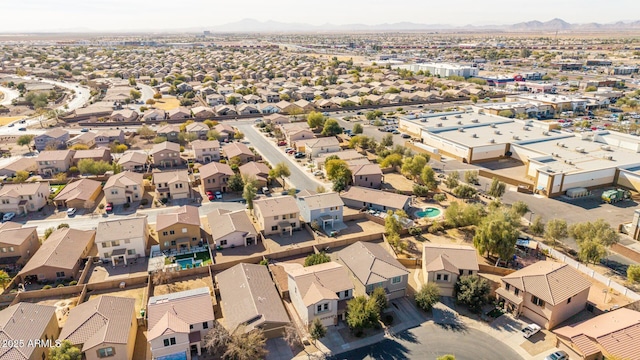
[(366, 175), (612, 334), (169, 131), (121, 240), (443, 264), (225, 131), (60, 256), (239, 150), (214, 176), (357, 197), (23, 163), (55, 138), (179, 321), (22, 198), (546, 292), (179, 230), (124, 187), (315, 147), (256, 171), (103, 327), (371, 266), (166, 154), (17, 244), (324, 208), (99, 154), (133, 161), (24, 321), (81, 194), (277, 215), (231, 228), (172, 184), (206, 151), (248, 297), (199, 129), (107, 137), (54, 161), (319, 291)]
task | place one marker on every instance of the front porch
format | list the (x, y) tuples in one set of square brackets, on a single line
[(511, 302)]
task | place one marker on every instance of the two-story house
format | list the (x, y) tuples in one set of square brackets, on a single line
[(314, 147), (323, 208), (178, 323), (371, 266), (124, 187), (99, 154), (206, 151), (366, 175), (443, 264), (17, 244), (258, 172), (231, 228), (121, 240), (546, 292), (239, 152), (54, 161), (179, 230), (169, 132), (104, 327), (320, 291), (22, 198), (225, 131), (166, 154), (133, 161), (172, 184), (26, 320), (202, 113), (277, 215), (104, 138), (214, 176), (53, 139)]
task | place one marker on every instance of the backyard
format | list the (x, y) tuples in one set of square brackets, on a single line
[(202, 255), (137, 293), (167, 104)]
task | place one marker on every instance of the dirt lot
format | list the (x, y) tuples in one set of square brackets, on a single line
[(184, 284), (167, 103), (62, 303), (137, 293), (9, 119), (397, 182)]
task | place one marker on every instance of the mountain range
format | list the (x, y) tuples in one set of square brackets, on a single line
[(256, 26)]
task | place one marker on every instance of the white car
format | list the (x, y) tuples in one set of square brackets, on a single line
[(218, 195), (71, 211), (558, 355), (8, 216), (530, 330)]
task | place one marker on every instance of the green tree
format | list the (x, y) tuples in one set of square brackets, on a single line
[(246, 345), (232, 100), (362, 313), (471, 177), (146, 132), (428, 177), (452, 179), (357, 129), (420, 190), (446, 357), (519, 208), (48, 232), (25, 140), (428, 296), (249, 194), (497, 188), (331, 128), (379, 297), (464, 191), (21, 176), (315, 259), (472, 291), (525, 53), (236, 184), (633, 273), (135, 94), (387, 140), (412, 167), (217, 339), (593, 238), (338, 171), (537, 226), (391, 160), (90, 166), (119, 148), (497, 235), (238, 135), (213, 135), (392, 223), (37, 100), (590, 89), (157, 96), (66, 351), (281, 170), (317, 331), (315, 119), (505, 113), (556, 230)]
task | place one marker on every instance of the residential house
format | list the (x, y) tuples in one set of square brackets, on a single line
[(214, 176), (54, 139), (103, 327), (248, 297), (614, 334), (27, 164), (305, 105), (256, 171), (133, 161), (288, 108), (350, 156), (121, 240), (277, 215), (323, 208), (231, 228), (225, 131), (320, 292), (60, 257), (54, 161), (169, 132), (225, 110), (357, 197), (124, 115), (154, 115), (276, 119), (297, 132), (443, 264), (178, 323), (246, 109), (99, 154), (172, 184), (268, 108), (215, 100), (202, 113), (200, 130), (180, 113), (366, 175), (17, 244), (206, 151), (314, 147), (25, 321), (166, 154), (546, 292), (85, 138), (240, 151), (371, 266), (124, 188), (179, 230), (22, 198), (107, 137), (81, 194)]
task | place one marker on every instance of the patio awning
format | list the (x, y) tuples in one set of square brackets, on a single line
[(194, 337), (284, 225), (119, 252), (182, 240), (509, 296)]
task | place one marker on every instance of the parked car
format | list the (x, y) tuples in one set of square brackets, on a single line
[(558, 355), (109, 207), (395, 132), (218, 195), (11, 125), (84, 130), (530, 330), (282, 143), (406, 136), (210, 195), (299, 155), (71, 212), (265, 190), (8, 216), (317, 173), (22, 129), (291, 151)]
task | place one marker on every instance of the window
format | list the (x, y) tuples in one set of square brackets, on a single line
[(190, 326), (507, 286), (131, 252), (115, 243), (223, 242), (106, 255), (568, 300), (325, 307), (396, 279), (275, 218), (537, 301), (470, 272), (438, 277), (173, 243), (516, 291), (172, 232), (461, 272), (184, 230), (205, 325), (292, 216), (445, 277), (60, 274), (106, 352), (164, 233), (274, 228), (319, 308), (166, 243), (346, 293)]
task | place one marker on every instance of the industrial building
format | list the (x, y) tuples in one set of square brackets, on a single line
[(442, 69)]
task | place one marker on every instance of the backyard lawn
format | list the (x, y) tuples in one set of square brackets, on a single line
[(57, 188)]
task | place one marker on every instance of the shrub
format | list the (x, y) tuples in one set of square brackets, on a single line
[(46, 287), (73, 283), (60, 285), (264, 262), (414, 231), (439, 197), (428, 296), (144, 202), (101, 206)]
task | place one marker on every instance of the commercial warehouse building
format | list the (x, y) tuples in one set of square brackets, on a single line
[(442, 69)]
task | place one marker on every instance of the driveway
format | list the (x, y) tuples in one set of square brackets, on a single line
[(445, 314)]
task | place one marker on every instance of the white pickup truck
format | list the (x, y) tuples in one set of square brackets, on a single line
[(530, 330)]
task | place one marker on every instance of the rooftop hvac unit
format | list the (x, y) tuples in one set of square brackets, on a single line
[(494, 125), (439, 125), (461, 129), (580, 149), (608, 157), (497, 132), (560, 144), (475, 121), (474, 135), (545, 133), (605, 147), (492, 141), (443, 118), (516, 137), (459, 122), (458, 116), (526, 128)]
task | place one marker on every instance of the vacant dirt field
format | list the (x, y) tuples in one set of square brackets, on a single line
[(184, 284), (167, 103), (9, 119)]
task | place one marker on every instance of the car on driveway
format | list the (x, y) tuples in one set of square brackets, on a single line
[(265, 190), (8, 216), (109, 207), (530, 330), (22, 129), (299, 155), (406, 136), (282, 143), (218, 195), (558, 355), (71, 212), (210, 195)]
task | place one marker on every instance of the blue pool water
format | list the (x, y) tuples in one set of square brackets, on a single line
[(429, 212), (184, 262)]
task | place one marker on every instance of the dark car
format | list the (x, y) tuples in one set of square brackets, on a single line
[(299, 155), (22, 129)]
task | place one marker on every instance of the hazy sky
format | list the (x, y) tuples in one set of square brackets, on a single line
[(39, 15)]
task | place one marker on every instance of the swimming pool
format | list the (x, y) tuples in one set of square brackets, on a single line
[(188, 261), (430, 212)]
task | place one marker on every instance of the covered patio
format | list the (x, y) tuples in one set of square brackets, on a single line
[(119, 255), (512, 303), (284, 227)]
